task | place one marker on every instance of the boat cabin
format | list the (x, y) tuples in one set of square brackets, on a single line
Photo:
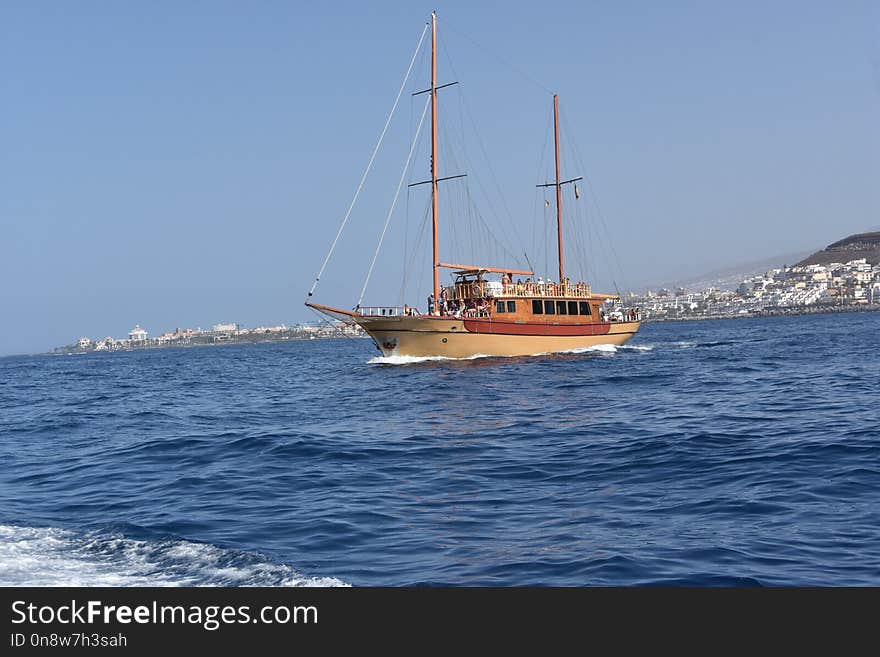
[(473, 295)]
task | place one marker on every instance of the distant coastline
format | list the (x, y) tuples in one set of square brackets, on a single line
[(221, 334)]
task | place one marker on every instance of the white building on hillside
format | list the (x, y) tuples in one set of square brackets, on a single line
[(137, 334), (227, 328)]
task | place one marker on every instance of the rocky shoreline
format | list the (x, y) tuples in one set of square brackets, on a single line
[(776, 312)]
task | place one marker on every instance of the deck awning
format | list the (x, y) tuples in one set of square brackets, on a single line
[(473, 269)]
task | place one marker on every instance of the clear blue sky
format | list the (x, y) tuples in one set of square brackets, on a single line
[(186, 163)]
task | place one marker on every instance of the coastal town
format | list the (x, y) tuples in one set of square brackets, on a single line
[(799, 289)]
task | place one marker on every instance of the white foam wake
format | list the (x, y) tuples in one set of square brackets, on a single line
[(596, 348), (407, 360), (47, 556), (607, 348)]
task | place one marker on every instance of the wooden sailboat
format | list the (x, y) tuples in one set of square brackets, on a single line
[(486, 310)]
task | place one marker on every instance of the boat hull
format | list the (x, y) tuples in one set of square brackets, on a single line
[(465, 338)]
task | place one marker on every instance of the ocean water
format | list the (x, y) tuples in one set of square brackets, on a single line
[(736, 452)]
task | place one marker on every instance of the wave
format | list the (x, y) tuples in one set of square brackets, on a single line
[(48, 556)]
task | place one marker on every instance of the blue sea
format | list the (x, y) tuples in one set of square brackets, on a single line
[(728, 452)]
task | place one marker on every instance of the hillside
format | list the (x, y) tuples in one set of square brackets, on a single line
[(729, 277), (863, 245)]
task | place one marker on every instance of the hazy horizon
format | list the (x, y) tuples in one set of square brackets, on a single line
[(173, 165)]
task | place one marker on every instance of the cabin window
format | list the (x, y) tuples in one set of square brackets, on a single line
[(511, 306), (549, 307), (499, 306), (560, 308), (537, 307), (572, 307), (585, 308)]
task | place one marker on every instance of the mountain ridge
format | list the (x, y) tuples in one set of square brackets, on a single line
[(860, 245)]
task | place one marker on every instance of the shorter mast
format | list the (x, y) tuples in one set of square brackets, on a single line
[(558, 185)]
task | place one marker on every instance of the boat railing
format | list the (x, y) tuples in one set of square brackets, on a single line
[(478, 290), (622, 315), (388, 311)]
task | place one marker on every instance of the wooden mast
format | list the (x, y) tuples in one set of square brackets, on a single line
[(558, 190), (436, 206), (558, 185)]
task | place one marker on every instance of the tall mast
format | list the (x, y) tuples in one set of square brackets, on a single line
[(436, 206), (558, 188)]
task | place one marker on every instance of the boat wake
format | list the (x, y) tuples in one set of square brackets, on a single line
[(608, 348), (594, 349), (408, 360), (597, 348), (48, 556)]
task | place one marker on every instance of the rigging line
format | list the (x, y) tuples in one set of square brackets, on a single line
[(540, 194), (605, 246), (334, 327), (595, 201), (370, 163), (508, 222), (394, 200), (405, 244), (420, 285), (470, 221), (464, 110), (502, 196), (581, 222), (546, 235), (575, 219), (420, 236), (498, 57), (491, 237), (416, 249)]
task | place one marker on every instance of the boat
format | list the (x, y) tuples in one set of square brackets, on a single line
[(489, 310)]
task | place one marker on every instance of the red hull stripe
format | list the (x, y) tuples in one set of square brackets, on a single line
[(514, 328)]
